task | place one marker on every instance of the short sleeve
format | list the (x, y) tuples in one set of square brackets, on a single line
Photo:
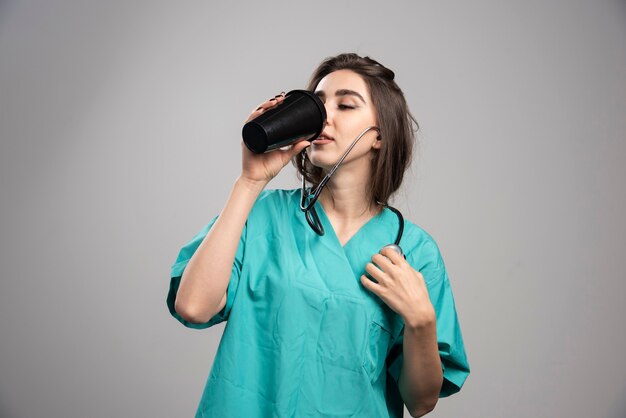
[(185, 254), (449, 338)]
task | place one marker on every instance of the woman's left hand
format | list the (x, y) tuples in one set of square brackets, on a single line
[(401, 287)]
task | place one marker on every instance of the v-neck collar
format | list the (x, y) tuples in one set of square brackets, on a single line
[(328, 227), (367, 241), (333, 262)]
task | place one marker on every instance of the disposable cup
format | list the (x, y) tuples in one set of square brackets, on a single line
[(301, 116)]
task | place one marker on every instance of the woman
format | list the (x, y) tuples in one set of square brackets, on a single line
[(321, 323)]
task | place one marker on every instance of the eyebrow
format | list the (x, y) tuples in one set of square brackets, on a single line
[(342, 92)]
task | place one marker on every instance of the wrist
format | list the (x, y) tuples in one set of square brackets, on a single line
[(251, 185), (420, 322)]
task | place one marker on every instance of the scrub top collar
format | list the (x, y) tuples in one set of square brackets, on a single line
[(379, 231), (381, 216)]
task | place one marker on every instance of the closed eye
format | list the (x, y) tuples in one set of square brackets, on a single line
[(341, 106)]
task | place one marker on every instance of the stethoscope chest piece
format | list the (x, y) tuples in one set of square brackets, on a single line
[(395, 248)]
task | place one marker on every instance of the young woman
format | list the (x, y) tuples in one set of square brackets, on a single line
[(321, 321)]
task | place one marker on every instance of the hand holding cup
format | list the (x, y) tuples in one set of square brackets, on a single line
[(261, 168)]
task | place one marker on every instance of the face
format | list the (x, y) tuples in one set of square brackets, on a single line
[(349, 111)]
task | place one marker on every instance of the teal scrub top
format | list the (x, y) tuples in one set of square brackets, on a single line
[(303, 337)]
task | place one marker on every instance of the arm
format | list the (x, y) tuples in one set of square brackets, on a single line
[(404, 290), (202, 290), (421, 375)]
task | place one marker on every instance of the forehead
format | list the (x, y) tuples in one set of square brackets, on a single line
[(340, 80)]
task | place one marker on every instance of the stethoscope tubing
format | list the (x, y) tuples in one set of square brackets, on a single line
[(315, 192)]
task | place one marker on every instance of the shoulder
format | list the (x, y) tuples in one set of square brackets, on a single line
[(275, 199), (272, 205), (272, 212), (416, 237), (277, 196), (421, 249)]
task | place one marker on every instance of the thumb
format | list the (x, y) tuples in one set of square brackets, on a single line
[(299, 147), (295, 149)]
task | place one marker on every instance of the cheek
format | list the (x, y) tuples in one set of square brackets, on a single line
[(365, 143)]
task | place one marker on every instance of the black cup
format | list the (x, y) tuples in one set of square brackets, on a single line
[(301, 116)]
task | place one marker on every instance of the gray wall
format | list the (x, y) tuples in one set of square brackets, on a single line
[(120, 123)]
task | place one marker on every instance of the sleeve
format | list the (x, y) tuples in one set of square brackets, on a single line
[(178, 268), (450, 341)]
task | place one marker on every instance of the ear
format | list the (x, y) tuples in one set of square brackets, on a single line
[(378, 143)]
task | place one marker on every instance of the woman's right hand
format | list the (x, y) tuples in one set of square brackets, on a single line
[(261, 168)]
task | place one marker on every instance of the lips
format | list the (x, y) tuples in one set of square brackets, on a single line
[(325, 137)]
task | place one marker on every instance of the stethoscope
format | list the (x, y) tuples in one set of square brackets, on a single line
[(311, 214)]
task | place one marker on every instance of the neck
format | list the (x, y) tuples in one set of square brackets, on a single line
[(346, 194)]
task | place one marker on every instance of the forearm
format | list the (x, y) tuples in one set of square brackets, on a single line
[(205, 279), (421, 375)]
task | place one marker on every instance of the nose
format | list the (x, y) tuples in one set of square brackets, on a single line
[(329, 113)]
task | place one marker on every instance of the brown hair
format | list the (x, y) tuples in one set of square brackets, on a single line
[(394, 122)]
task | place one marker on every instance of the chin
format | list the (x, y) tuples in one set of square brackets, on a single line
[(323, 160)]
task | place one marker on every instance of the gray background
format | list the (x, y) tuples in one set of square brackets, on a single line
[(120, 128)]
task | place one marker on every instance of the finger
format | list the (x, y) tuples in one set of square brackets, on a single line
[(375, 272), (279, 97), (271, 102), (395, 258), (370, 285), (296, 148), (255, 113), (383, 262), (291, 150)]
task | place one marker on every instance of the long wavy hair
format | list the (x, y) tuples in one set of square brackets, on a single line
[(394, 121)]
